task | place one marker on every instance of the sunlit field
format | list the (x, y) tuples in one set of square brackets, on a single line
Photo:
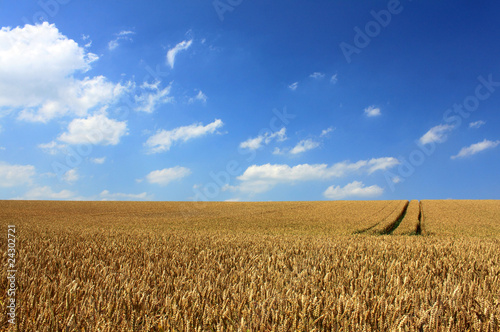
[(270, 266)]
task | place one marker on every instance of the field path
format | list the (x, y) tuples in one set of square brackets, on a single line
[(392, 221), (410, 225), (385, 220)]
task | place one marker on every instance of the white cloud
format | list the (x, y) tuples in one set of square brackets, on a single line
[(163, 139), (98, 160), (199, 97), (436, 134), (71, 176), (76, 98), (167, 175), (293, 86), (2, 148), (15, 175), (85, 38), (172, 53), (46, 193), (317, 75), (233, 200), (334, 79), (38, 65), (122, 35), (53, 147), (152, 97), (304, 145), (477, 124), (107, 196), (325, 132), (113, 44), (372, 111), (97, 129), (278, 151), (381, 164), (266, 138), (475, 148), (253, 143), (353, 189), (257, 179)]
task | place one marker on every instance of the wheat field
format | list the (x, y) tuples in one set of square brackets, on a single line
[(266, 266)]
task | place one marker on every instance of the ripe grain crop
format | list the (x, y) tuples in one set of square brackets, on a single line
[(461, 217), (410, 225), (129, 266), (306, 218), (386, 224)]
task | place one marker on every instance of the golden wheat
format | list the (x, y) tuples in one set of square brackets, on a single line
[(461, 217), (410, 225), (387, 223), (118, 266)]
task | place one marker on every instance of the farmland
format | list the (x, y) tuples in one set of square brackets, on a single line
[(264, 266)]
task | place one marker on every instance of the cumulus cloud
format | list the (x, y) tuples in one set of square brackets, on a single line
[(38, 65), (53, 147), (293, 86), (317, 75), (105, 195), (46, 193), (71, 176), (122, 35), (261, 178), (304, 145), (172, 53), (152, 97), (354, 189), (201, 97), (437, 134), (97, 129), (167, 175), (477, 124), (372, 111), (15, 175), (475, 148), (163, 139), (266, 138)]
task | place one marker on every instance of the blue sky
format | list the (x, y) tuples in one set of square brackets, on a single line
[(249, 100)]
